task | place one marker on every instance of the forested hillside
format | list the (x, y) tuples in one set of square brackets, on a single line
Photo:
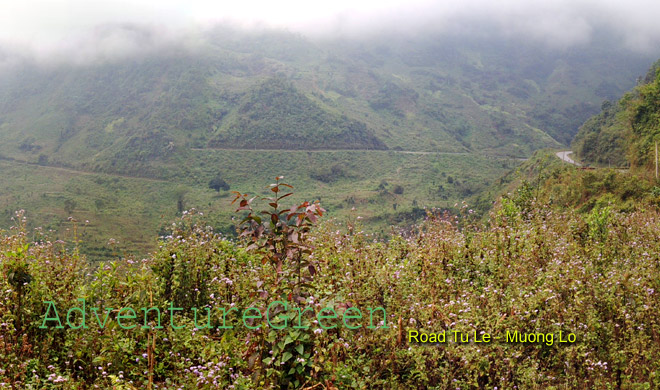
[(625, 132)]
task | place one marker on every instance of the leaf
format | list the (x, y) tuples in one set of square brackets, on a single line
[(300, 349), (286, 356), (312, 270)]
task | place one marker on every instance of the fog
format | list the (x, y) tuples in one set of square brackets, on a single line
[(81, 31)]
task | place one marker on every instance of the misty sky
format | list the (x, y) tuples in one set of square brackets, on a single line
[(82, 29)]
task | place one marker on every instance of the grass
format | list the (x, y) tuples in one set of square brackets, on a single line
[(133, 210)]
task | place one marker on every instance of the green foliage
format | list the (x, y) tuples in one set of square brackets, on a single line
[(111, 203), (118, 138), (598, 221), (329, 174), (625, 133), (282, 236), (644, 111), (521, 204), (281, 240), (218, 183), (277, 116), (535, 269), (601, 139)]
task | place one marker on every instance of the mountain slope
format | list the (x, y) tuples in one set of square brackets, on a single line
[(274, 115), (624, 133), (381, 128), (426, 94)]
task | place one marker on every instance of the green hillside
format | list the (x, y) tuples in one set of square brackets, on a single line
[(624, 133), (602, 138), (274, 115), (387, 126), (427, 94)]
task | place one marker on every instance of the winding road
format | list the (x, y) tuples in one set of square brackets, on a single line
[(564, 157)]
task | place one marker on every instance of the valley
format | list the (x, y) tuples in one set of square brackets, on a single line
[(382, 130)]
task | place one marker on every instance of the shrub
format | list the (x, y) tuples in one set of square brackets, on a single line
[(218, 183)]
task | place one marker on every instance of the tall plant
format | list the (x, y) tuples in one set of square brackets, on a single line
[(280, 235)]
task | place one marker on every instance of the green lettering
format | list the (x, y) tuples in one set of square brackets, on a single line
[(300, 314), (107, 314), (224, 318), (371, 318), (268, 315), (350, 317), (56, 318), (172, 309), (246, 316), (321, 317), (146, 311), (82, 311), (128, 316), (208, 319)]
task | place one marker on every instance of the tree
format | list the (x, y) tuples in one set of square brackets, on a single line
[(218, 183), (69, 206)]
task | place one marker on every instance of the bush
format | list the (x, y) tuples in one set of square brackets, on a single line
[(542, 271), (218, 183)]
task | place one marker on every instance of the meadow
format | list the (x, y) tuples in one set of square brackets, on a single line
[(588, 279), (383, 187)]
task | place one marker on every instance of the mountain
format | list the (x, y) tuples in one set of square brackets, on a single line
[(383, 127), (281, 91), (274, 115)]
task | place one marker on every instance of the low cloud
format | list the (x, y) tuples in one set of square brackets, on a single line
[(81, 31)]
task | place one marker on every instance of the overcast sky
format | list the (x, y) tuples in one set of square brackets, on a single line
[(83, 29)]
